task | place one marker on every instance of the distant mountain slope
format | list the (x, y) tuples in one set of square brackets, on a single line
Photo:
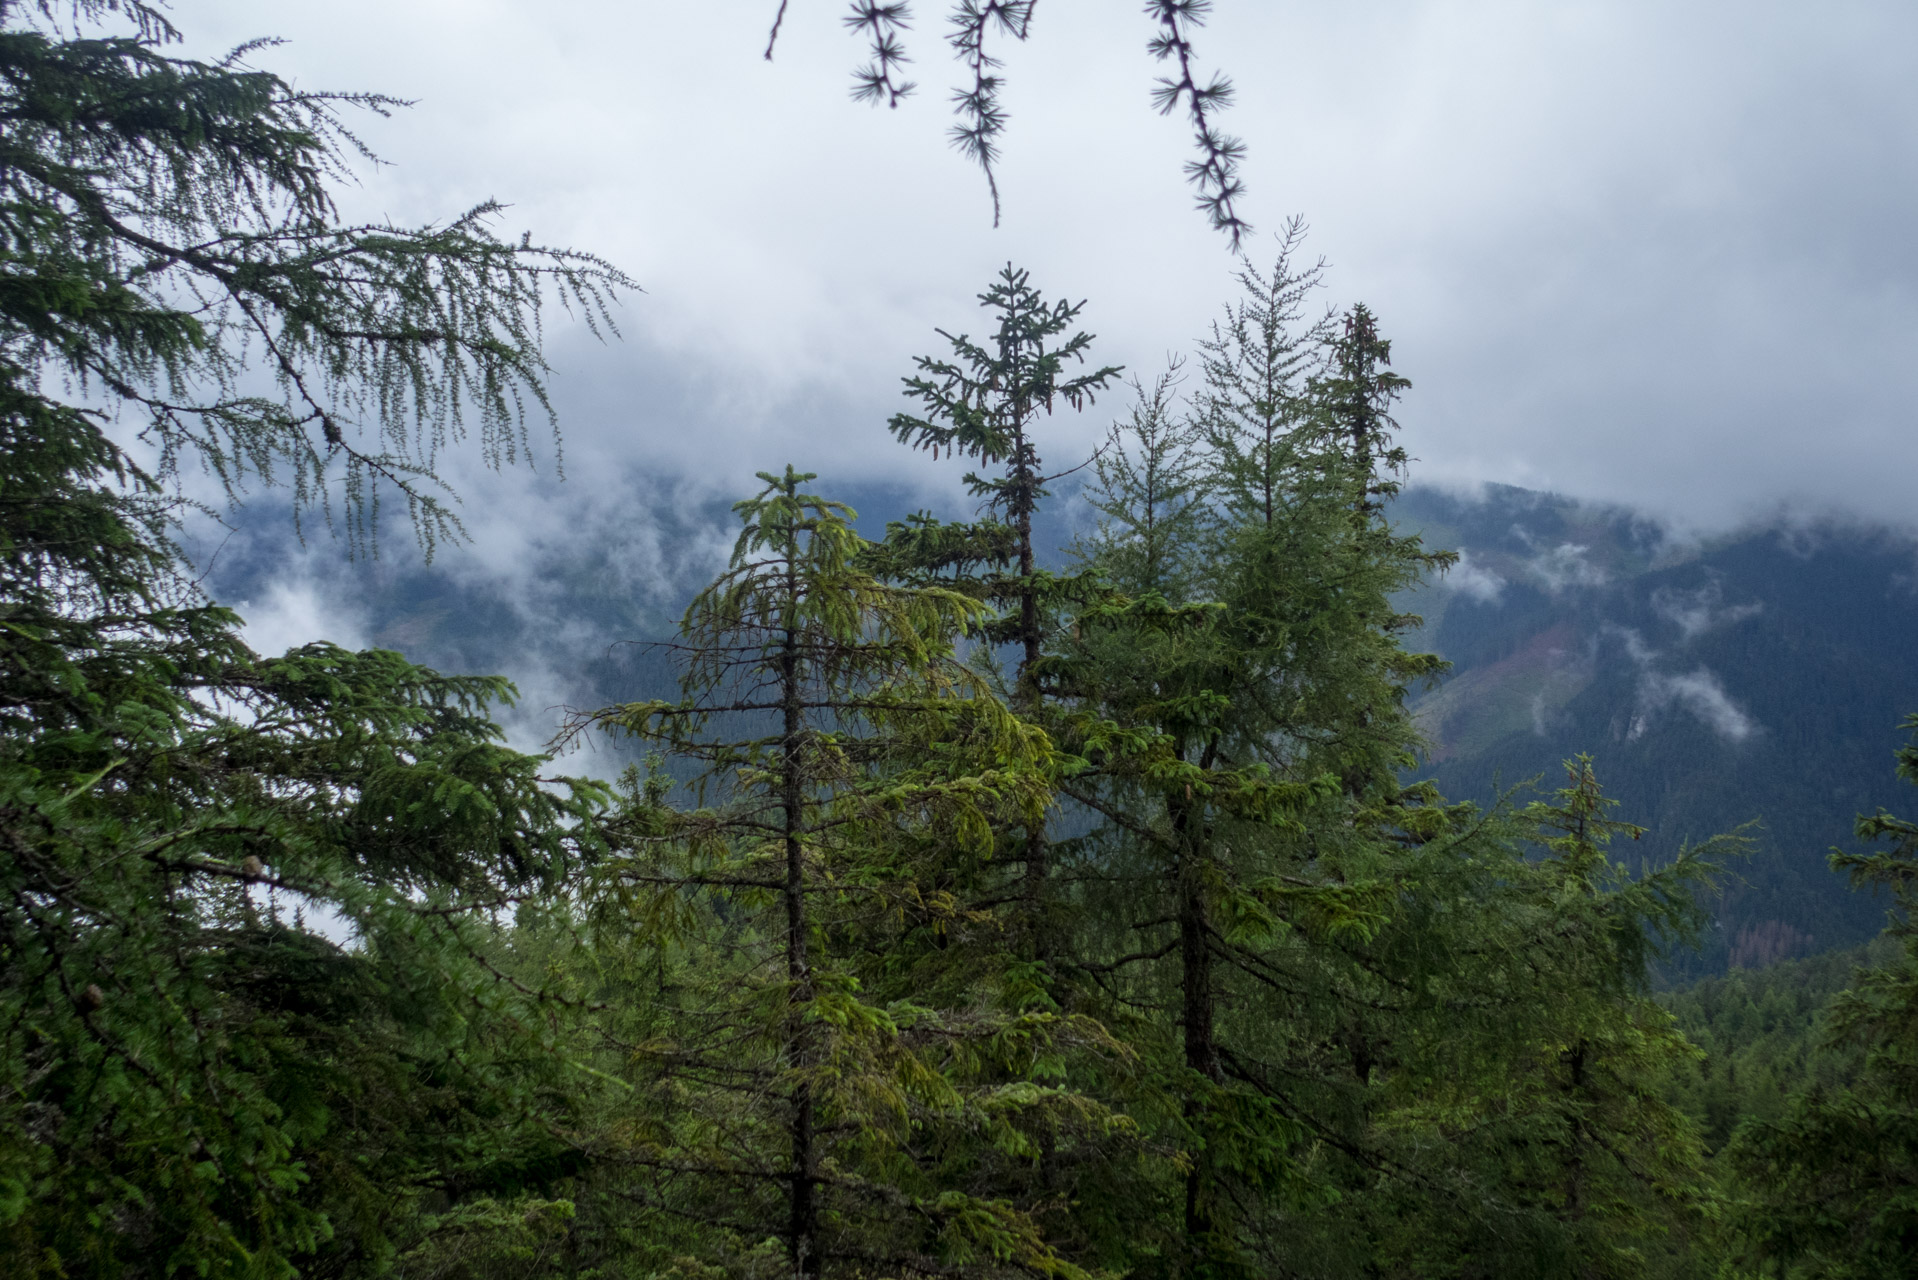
[(575, 620), (1761, 675), (1758, 676)]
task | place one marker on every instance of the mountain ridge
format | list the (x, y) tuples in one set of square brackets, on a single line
[(1756, 674), (1759, 675)]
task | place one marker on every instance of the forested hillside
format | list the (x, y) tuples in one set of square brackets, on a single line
[(1754, 676), (1761, 1033)]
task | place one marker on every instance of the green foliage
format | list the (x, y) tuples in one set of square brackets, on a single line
[(1758, 1033), (985, 404), (834, 1052), (251, 1019), (1150, 490), (1832, 1184), (169, 244), (302, 971), (190, 1079), (1384, 1037)]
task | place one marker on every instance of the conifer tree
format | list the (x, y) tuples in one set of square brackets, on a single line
[(195, 1076), (1613, 1166), (800, 1085), (174, 252), (190, 1079), (1329, 954), (985, 403), (1356, 395), (1491, 1058), (1246, 732), (1150, 490), (1832, 1186), (1257, 367)]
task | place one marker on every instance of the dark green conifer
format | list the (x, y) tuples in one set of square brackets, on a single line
[(985, 403), (828, 1065), (250, 1016), (172, 250), (1243, 710), (1333, 970), (1832, 1185)]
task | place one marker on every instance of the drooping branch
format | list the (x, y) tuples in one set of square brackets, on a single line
[(1215, 173), (982, 116), (878, 81)]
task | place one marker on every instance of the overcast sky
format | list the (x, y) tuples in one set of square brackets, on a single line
[(1651, 252)]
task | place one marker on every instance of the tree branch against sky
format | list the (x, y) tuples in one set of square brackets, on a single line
[(1601, 290), (974, 25), (176, 253)]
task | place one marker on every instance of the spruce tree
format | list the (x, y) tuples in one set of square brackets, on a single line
[(1150, 490), (1489, 1058), (1356, 394), (1257, 366), (985, 403), (191, 1078), (1245, 730), (1339, 969), (174, 253)]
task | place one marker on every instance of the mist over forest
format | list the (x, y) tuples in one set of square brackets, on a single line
[(955, 690)]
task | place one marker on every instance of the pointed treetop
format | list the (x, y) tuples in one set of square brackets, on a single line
[(978, 402)]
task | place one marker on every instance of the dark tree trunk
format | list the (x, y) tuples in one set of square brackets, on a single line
[(802, 1228), (1575, 1157), (1025, 500), (1197, 1015)]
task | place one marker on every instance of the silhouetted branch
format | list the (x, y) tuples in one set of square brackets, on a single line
[(1216, 172)]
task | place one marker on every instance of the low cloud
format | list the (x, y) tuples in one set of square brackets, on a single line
[(297, 611), (1566, 566), (1698, 692), (1475, 581), (1546, 718), (1696, 612), (551, 574), (1636, 649)]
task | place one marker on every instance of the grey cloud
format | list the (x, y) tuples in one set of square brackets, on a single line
[(1698, 692), (1630, 252), (1636, 649), (1545, 719), (1474, 581), (298, 609), (1625, 251), (1700, 610), (1565, 566)]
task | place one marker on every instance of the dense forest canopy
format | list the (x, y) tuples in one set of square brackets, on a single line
[(974, 913)]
